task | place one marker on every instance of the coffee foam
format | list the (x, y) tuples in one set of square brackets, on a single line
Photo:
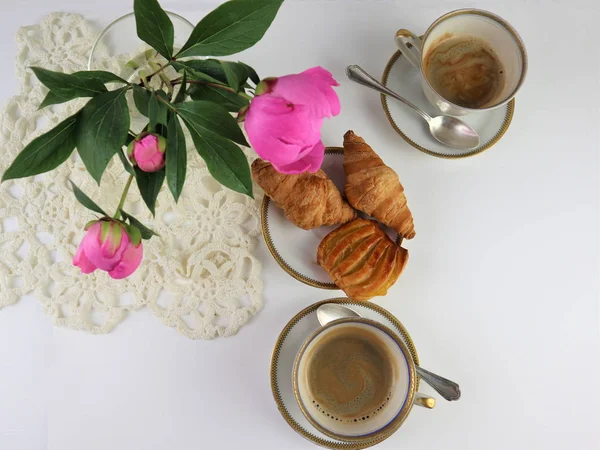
[(357, 419), (464, 70), (347, 376)]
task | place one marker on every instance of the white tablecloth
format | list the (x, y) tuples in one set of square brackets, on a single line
[(501, 293)]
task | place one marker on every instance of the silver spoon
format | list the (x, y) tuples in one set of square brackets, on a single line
[(448, 130), (446, 388)]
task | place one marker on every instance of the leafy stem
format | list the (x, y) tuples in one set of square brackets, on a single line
[(206, 83), (166, 102), (123, 197), (157, 71)]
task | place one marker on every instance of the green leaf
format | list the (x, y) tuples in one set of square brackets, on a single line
[(65, 84), (209, 117), (126, 165), (153, 111), (210, 67), (130, 137), (161, 130), (200, 71), (101, 130), (147, 233), (230, 101), (102, 75), (52, 98), (251, 73), (64, 87), (180, 97), (141, 98), (85, 200), (149, 184), (232, 27), (225, 161), (176, 157), (236, 73), (154, 26), (45, 152)]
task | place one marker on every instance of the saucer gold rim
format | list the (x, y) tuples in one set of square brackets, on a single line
[(398, 327), (264, 224), (510, 109)]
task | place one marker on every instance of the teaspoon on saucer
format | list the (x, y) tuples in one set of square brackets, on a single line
[(448, 130), (446, 388)]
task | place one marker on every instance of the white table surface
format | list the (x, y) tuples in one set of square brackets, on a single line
[(501, 293)]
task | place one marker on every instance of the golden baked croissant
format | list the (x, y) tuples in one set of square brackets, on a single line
[(361, 259), (374, 188), (309, 200)]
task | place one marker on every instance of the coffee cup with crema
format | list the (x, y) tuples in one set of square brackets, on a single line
[(469, 60), (355, 380)]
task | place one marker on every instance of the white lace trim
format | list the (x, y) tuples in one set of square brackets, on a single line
[(199, 277)]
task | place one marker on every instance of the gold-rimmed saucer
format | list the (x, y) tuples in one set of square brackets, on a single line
[(295, 249), (400, 76), (289, 342)]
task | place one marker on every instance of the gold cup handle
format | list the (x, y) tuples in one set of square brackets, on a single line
[(410, 46), (424, 401)]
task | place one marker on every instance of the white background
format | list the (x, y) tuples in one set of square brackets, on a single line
[(501, 292)]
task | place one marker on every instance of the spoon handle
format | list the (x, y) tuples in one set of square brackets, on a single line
[(360, 76), (446, 388)]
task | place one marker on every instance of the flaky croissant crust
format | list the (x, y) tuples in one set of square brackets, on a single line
[(309, 200), (374, 188)]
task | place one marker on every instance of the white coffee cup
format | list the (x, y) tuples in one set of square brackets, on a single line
[(502, 37), (391, 415)]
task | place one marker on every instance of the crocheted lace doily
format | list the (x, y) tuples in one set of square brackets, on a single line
[(199, 277)]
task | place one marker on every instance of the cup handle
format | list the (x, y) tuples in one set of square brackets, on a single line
[(424, 401), (413, 53)]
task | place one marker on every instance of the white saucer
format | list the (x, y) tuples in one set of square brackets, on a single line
[(287, 346), (295, 249), (400, 76)]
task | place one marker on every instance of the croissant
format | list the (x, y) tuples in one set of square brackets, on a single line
[(309, 200), (361, 259), (374, 188)]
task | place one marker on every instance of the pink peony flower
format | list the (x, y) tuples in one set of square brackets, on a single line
[(109, 246), (148, 152), (284, 119)]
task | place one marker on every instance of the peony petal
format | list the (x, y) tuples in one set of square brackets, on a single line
[(148, 142), (334, 101), (105, 255), (154, 164), (311, 88), (148, 155), (311, 161), (278, 131), (81, 261), (132, 257), (327, 81), (322, 74)]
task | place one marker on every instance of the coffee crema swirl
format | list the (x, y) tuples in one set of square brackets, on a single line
[(350, 374), (464, 70)]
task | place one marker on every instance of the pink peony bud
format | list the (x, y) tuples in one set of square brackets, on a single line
[(148, 152), (110, 246), (284, 119)]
